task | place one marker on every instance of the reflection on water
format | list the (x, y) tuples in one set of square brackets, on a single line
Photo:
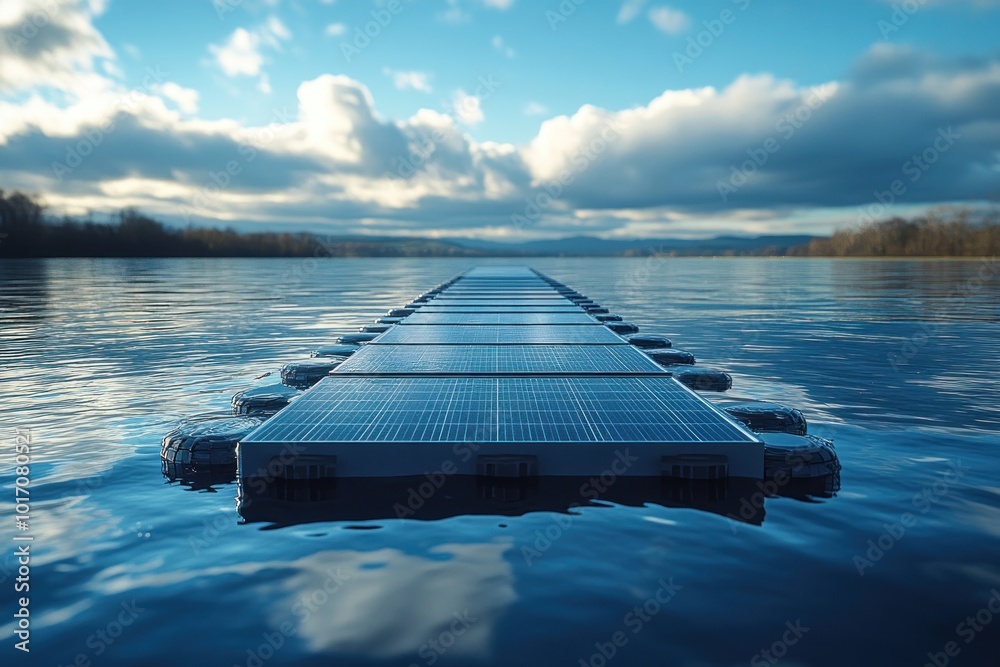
[(385, 602), (286, 503), (892, 360)]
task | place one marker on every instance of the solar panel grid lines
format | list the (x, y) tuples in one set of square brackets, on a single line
[(502, 308), (516, 409), (526, 319), (500, 357), (503, 334)]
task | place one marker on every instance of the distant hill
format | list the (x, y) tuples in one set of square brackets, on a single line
[(590, 246), (26, 232)]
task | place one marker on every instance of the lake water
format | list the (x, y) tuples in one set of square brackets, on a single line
[(896, 361)]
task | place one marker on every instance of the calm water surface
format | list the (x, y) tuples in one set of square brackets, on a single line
[(896, 361)]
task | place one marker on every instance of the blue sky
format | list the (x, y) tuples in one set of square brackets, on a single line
[(503, 119)]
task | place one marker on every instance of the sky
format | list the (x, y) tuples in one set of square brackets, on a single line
[(505, 120)]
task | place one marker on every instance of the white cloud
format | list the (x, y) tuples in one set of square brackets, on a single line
[(502, 5), (500, 46), (186, 99), (669, 21), (241, 54), (648, 170), (535, 109), (409, 80), (335, 29), (629, 10), (468, 108), (52, 44)]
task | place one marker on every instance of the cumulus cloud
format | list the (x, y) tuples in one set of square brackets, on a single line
[(331, 162), (54, 44), (241, 53), (186, 99), (835, 145), (468, 108)]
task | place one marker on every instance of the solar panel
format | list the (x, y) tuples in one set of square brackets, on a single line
[(345, 409), (506, 293), (501, 297), (498, 359), (421, 317), (502, 334), (463, 308), (495, 272)]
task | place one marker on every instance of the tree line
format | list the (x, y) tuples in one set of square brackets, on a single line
[(25, 231), (943, 234)]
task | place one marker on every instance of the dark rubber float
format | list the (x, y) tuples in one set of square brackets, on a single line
[(649, 341), (355, 338), (703, 379), (207, 440), (307, 373), (622, 328), (335, 351), (671, 357), (263, 400), (769, 418), (798, 456)]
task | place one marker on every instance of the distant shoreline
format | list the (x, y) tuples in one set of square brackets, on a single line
[(25, 232)]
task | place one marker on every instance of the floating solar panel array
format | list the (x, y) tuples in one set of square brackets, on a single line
[(501, 372)]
